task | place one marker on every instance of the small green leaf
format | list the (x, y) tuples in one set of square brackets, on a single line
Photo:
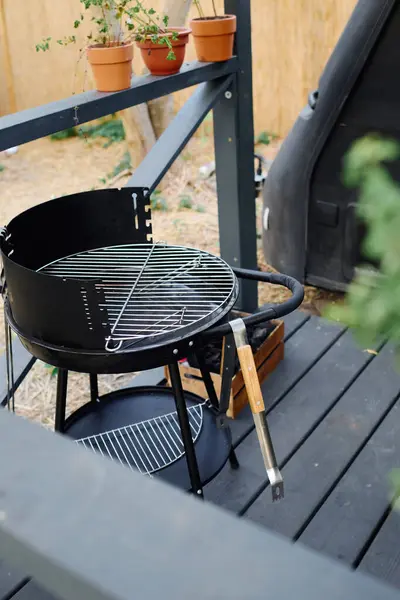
[(185, 202), (265, 138)]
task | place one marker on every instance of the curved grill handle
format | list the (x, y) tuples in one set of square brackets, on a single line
[(272, 312)]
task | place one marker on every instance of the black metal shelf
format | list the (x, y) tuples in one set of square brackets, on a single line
[(28, 125)]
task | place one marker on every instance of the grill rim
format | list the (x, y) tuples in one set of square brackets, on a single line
[(192, 329)]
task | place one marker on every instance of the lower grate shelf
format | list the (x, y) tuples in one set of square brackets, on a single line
[(147, 446)]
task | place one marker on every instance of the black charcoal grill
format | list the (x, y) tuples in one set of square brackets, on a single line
[(86, 289)]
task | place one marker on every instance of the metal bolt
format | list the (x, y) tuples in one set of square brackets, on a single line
[(190, 344), (228, 95), (199, 493), (176, 351)]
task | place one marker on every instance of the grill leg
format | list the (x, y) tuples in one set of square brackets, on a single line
[(184, 424), (61, 400), (233, 461), (208, 382), (94, 388)]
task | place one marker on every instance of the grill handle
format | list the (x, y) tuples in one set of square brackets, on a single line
[(272, 312)]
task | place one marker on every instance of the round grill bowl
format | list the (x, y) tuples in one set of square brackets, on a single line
[(88, 290)]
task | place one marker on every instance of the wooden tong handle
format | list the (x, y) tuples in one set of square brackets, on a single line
[(250, 376)]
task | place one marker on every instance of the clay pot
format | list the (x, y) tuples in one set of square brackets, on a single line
[(155, 55), (112, 66), (214, 38)]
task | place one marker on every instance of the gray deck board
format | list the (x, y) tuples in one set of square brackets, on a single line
[(32, 591), (343, 525), (10, 580), (308, 347), (382, 560), (334, 415), (323, 459)]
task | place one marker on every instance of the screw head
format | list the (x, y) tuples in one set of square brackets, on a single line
[(176, 351), (228, 95), (190, 344)]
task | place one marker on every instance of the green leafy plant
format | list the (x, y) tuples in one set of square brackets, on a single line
[(372, 305), (2, 168), (265, 138), (125, 164), (185, 202), (110, 129), (134, 21), (53, 370)]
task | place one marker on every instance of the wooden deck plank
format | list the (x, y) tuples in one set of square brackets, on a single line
[(233, 490), (32, 591), (10, 580), (342, 527), (243, 424), (321, 462), (383, 557)]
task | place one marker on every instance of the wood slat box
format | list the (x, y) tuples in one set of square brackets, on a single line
[(267, 357)]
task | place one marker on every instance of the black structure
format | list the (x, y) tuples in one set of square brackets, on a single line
[(110, 300), (311, 231), (101, 532)]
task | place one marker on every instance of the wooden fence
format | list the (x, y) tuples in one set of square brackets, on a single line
[(292, 40)]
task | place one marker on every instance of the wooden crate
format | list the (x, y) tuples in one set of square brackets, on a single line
[(267, 357)]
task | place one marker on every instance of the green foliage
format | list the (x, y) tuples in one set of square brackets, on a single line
[(157, 202), (265, 138), (125, 164), (2, 168), (136, 22), (110, 129), (372, 306), (185, 201), (64, 135), (53, 370)]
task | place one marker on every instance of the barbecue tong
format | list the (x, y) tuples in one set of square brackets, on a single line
[(256, 401)]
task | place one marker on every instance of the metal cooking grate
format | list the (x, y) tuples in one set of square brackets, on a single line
[(150, 289), (148, 446)]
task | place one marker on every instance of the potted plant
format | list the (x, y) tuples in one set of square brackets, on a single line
[(120, 23), (213, 35)]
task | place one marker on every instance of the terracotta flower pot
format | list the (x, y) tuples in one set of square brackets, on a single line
[(214, 37), (155, 55), (112, 66)]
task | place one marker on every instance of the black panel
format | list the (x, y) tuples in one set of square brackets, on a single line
[(372, 106), (311, 233)]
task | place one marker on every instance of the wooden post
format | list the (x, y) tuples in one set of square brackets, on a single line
[(7, 59)]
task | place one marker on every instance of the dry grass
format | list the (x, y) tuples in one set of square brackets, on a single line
[(44, 169)]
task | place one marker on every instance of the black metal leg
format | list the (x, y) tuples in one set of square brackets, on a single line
[(184, 424), (233, 461), (94, 388), (61, 400), (208, 382)]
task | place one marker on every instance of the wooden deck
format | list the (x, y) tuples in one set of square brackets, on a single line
[(335, 421)]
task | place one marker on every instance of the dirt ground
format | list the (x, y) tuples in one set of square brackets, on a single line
[(46, 169)]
